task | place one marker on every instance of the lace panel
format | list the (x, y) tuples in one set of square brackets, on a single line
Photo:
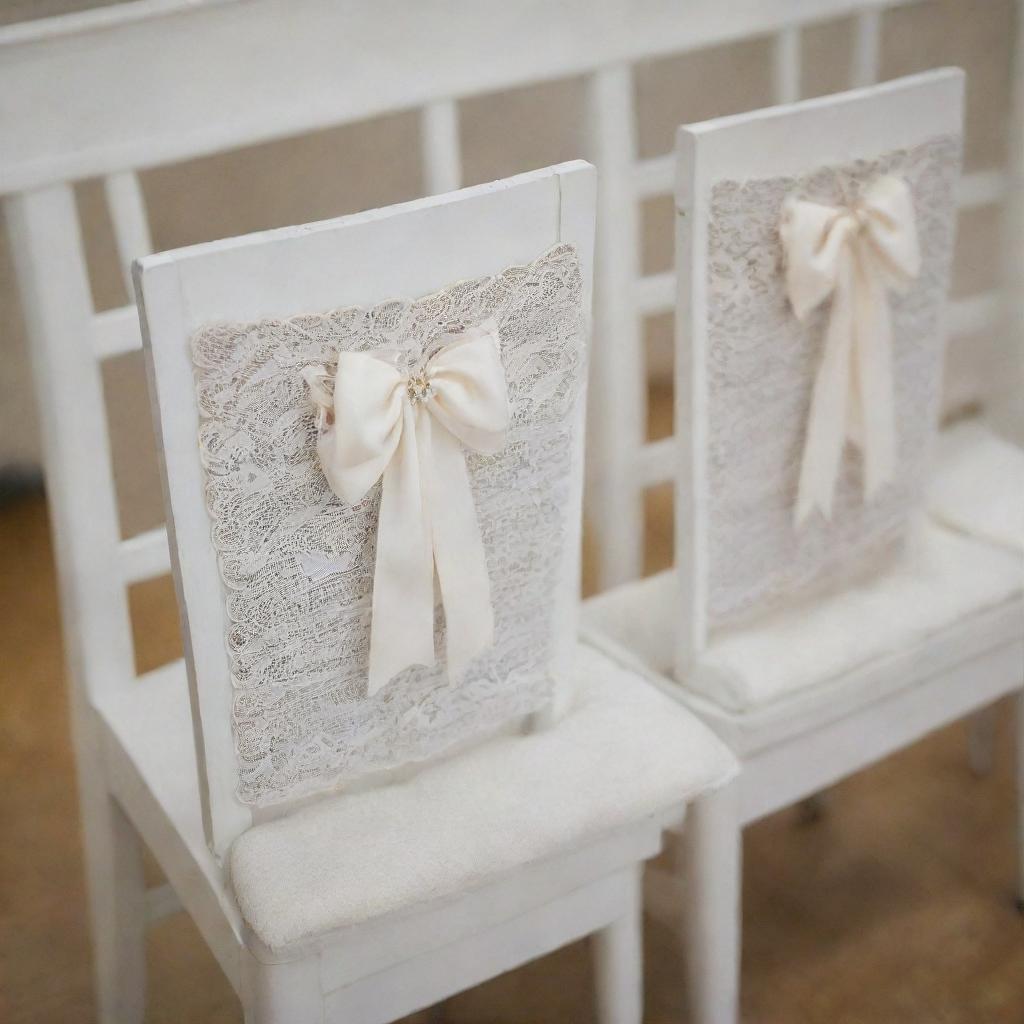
[(297, 562), (761, 363)]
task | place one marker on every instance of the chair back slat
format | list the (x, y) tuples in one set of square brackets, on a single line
[(128, 215), (786, 65), (50, 266), (361, 261), (618, 408), (144, 556), (442, 154), (867, 47), (115, 332)]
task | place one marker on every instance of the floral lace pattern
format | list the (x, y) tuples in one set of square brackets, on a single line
[(761, 363), (297, 563)]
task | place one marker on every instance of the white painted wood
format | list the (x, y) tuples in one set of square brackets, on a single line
[(1008, 402), (351, 954), (161, 902), (654, 176), (655, 462), (932, 102), (116, 331), (618, 963), (822, 757), (982, 188), (150, 756), (207, 86), (287, 993), (786, 64), (50, 268), (618, 388), (417, 983), (867, 47), (442, 160), (144, 556), (712, 857), (128, 215), (973, 315), (656, 293)]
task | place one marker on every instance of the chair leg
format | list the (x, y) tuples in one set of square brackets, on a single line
[(712, 847), (1018, 706), (981, 741), (117, 905), (287, 993), (618, 962)]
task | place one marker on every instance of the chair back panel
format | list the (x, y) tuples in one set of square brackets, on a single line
[(747, 366), (403, 253)]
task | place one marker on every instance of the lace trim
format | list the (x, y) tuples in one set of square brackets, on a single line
[(297, 563), (761, 363)]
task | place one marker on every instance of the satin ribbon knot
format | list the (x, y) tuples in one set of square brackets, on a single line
[(409, 430), (856, 254)]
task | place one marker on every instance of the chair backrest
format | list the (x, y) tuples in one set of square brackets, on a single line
[(746, 365), (229, 327)]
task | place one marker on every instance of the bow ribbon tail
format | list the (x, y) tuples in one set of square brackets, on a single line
[(873, 426), (402, 632), (826, 423), (459, 554)]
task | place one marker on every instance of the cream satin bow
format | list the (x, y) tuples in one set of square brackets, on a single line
[(410, 429), (855, 254)]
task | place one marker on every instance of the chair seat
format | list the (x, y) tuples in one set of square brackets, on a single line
[(944, 579), (978, 486), (622, 753)]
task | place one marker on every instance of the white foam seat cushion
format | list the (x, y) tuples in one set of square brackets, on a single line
[(978, 484), (943, 579), (622, 752)]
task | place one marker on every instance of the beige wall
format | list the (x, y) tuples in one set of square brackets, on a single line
[(374, 163)]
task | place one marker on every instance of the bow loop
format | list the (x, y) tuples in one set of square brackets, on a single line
[(467, 389), (814, 238), (409, 430), (853, 254), (887, 209)]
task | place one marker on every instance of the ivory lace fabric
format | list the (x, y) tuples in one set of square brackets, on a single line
[(761, 362), (297, 563)]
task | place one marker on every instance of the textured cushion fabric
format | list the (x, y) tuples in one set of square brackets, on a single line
[(942, 579), (978, 485), (622, 752)]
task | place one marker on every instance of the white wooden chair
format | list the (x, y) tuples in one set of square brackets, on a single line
[(811, 691), (359, 906), (205, 93)]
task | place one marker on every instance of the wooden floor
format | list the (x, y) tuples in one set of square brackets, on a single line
[(896, 907)]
